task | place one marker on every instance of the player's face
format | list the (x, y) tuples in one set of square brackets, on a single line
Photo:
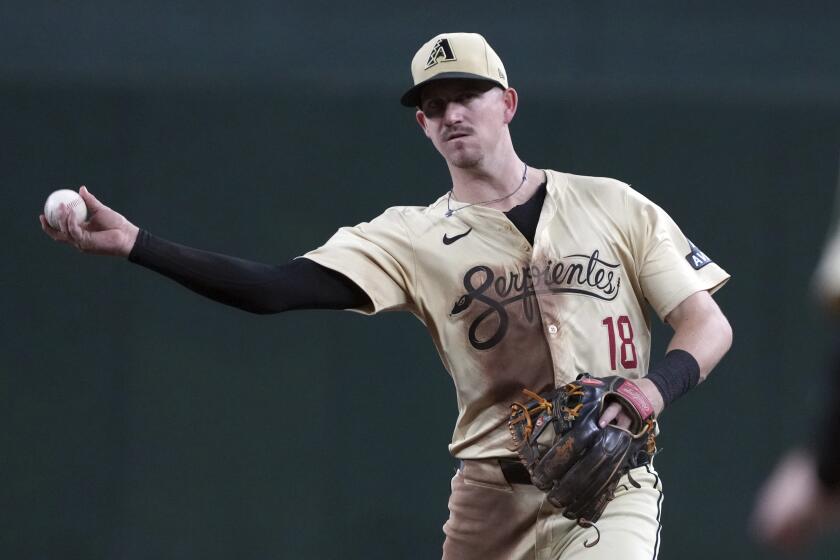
[(464, 118)]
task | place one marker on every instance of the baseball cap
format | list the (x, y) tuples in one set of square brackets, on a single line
[(454, 55)]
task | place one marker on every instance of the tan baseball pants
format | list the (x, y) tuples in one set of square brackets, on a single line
[(490, 518)]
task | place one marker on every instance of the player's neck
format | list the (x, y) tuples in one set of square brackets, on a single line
[(487, 182)]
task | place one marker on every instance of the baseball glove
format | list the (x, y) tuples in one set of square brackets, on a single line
[(569, 456)]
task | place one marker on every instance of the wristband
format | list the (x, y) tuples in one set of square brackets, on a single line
[(674, 376)]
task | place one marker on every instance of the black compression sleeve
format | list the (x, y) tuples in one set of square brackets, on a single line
[(828, 444), (255, 287)]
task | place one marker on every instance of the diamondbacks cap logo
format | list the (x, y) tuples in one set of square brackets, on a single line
[(441, 52)]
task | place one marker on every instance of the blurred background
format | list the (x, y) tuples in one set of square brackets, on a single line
[(143, 421)]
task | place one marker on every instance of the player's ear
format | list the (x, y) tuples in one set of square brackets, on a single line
[(421, 120), (511, 101)]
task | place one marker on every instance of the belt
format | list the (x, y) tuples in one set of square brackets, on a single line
[(514, 472)]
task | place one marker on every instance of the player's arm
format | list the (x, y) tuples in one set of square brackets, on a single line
[(248, 285), (702, 335), (701, 329)]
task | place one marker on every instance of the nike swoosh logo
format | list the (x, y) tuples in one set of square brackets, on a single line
[(450, 240)]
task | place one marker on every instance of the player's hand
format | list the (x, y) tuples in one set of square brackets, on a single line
[(793, 506), (615, 414), (105, 232)]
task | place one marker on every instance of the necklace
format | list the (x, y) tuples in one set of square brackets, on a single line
[(450, 211)]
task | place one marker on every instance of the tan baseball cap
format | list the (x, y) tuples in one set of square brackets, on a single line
[(454, 55)]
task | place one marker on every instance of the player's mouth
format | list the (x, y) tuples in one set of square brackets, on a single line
[(455, 135)]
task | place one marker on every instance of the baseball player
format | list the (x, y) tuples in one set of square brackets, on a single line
[(802, 496), (524, 277)]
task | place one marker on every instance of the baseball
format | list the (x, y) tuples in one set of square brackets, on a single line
[(73, 201)]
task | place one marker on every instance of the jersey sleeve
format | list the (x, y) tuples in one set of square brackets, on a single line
[(670, 268), (378, 257)]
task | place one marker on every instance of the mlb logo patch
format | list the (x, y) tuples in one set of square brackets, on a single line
[(696, 258)]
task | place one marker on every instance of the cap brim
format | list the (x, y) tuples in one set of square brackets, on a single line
[(411, 98)]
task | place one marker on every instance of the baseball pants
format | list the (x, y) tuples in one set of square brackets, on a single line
[(490, 518)]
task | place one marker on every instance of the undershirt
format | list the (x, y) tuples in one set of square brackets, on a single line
[(264, 288)]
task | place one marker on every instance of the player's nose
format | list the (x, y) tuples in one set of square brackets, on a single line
[(453, 113)]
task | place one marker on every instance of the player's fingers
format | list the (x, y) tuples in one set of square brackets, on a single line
[(92, 203), (623, 420), (54, 234), (67, 221), (76, 233), (44, 223), (62, 214), (609, 414)]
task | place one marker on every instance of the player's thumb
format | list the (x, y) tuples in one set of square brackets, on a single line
[(90, 201)]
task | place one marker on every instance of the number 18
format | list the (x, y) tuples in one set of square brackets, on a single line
[(625, 335)]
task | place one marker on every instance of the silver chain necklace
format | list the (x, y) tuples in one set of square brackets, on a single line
[(450, 211)]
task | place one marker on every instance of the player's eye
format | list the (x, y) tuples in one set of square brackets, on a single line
[(433, 107)]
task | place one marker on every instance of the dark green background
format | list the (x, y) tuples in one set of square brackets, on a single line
[(142, 421)]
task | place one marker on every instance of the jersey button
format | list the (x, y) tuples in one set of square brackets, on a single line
[(552, 329)]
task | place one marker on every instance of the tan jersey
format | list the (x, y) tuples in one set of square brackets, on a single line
[(505, 316)]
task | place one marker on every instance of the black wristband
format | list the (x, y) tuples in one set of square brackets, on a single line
[(676, 375)]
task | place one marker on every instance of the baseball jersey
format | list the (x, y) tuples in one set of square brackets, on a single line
[(505, 315)]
